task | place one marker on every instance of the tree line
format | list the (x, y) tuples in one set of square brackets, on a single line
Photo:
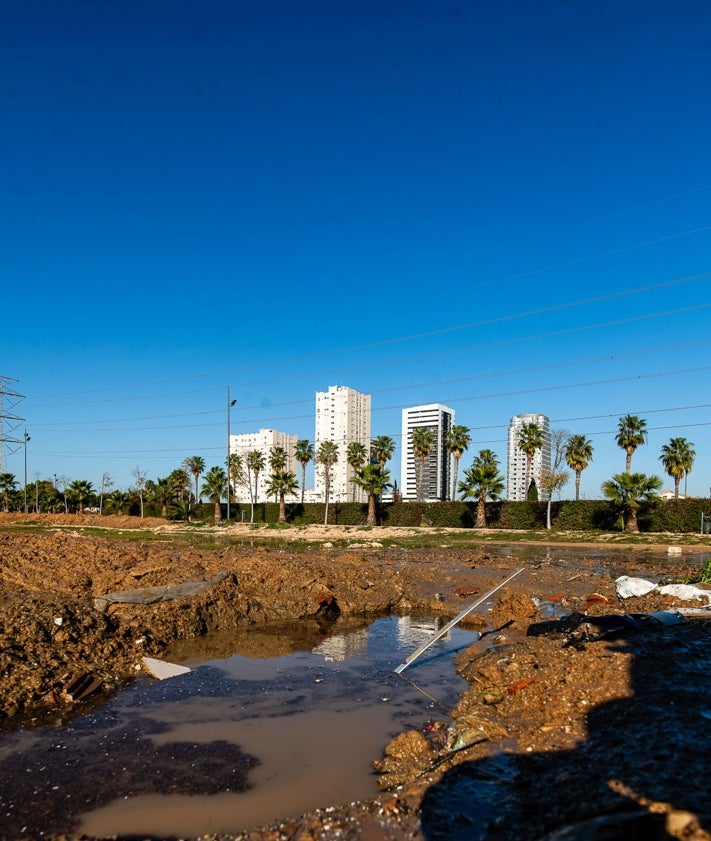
[(180, 491)]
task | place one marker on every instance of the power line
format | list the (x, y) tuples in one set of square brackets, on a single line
[(400, 361), (389, 341)]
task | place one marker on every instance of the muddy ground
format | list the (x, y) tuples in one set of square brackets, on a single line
[(595, 726)]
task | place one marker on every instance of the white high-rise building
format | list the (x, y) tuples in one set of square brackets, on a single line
[(437, 476), (342, 416), (263, 441), (516, 472)]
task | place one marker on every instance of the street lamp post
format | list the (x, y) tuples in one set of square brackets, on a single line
[(230, 404), (26, 439)]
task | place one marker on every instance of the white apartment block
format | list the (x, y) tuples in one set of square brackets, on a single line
[(264, 441), (342, 416), (516, 472), (437, 474)]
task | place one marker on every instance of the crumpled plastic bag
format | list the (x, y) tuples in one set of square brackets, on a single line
[(627, 587)]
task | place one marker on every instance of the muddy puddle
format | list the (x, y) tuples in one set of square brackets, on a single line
[(268, 723)]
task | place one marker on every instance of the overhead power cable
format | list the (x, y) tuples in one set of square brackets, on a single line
[(388, 341)]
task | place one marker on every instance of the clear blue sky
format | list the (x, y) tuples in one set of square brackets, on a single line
[(500, 206)]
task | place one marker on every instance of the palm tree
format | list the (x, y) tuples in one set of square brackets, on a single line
[(356, 456), (277, 462), (79, 490), (214, 487), (382, 449), (530, 439), (578, 455), (8, 484), (163, 493), (119, 501), (374, 480), (628, 491), (678, 458), (326, 457), (236, 471), (196, 466), (303, 452), (179, 483), (255, 465), (631, 433), (423, 442), (457, 440), (482, 481), (281, 483)]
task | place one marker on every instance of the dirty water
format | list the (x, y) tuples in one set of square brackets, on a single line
[(253, 733)]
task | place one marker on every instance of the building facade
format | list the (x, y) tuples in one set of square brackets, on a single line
[(437, 469), (264, 441), (516, 468), (342, 416)]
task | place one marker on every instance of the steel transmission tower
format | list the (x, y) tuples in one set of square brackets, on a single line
[(10, 443)]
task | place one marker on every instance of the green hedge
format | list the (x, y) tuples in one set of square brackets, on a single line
[(680, 516)]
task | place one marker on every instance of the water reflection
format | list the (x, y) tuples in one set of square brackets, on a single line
[(297, 716)]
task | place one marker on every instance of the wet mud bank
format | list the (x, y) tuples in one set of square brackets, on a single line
[(566, 730)]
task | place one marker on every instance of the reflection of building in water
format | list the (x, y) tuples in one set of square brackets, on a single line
[(414, 630), (342, 646)]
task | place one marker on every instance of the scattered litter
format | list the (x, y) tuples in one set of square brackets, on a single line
[(686, 592), (596, 598), (442, 631), (582, 626), (163, 670), (162, 593), (667, 617), (466, 591), (626, 587), (80, 686), (517, 687)]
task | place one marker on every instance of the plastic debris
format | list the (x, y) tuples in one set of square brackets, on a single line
[(160, 593), (627, 587), (162, 669)]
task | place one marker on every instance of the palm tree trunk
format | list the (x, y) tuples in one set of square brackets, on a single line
[(529, 462), (303, 482), (481, 512), (631, 522), (282, 508), (372, 520), (577, 485)]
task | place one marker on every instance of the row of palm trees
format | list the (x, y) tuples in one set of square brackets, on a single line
[(244, 470)]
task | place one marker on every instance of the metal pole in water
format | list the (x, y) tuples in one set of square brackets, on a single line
[(458, 618)]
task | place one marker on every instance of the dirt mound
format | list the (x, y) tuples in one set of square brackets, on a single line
[(578, 709), (106, 521)]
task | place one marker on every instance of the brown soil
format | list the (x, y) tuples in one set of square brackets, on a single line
[(595, 726)]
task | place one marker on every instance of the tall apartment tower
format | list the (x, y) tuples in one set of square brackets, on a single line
[(437, 476), (516, 473), (342, 416), (263, 441)]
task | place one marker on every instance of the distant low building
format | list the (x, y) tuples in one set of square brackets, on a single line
[(263, 441), (670, 495)]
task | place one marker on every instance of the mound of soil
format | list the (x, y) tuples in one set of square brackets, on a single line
[(585, 718)]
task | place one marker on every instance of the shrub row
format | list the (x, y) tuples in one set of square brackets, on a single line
[(680, 516)]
